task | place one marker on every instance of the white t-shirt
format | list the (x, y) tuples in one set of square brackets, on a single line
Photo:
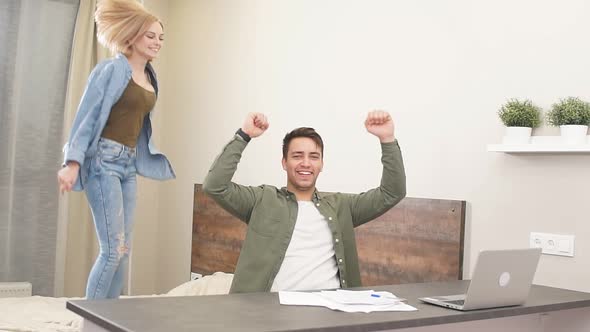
[(309, 262)]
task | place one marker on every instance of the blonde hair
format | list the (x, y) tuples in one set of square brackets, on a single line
[(120, 23)]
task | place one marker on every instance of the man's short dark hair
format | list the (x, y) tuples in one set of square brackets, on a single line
[(302, 132)]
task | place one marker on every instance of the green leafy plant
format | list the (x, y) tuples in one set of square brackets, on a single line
[(569, 111), (516, 113)]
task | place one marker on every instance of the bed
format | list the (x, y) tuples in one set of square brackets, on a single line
[(49, 314), (418, 240)]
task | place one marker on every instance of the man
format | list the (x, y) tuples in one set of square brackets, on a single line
[(299, 238)]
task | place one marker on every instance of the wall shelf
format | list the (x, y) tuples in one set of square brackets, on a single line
[(542, 144)]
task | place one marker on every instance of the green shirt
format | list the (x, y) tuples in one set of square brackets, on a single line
[(271, 213)]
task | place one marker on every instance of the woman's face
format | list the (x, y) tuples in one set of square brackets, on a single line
[(148, 45)]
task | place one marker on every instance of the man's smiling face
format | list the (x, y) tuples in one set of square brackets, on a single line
[(303, 164)]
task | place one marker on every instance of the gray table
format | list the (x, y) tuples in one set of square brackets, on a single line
[(262, 311)]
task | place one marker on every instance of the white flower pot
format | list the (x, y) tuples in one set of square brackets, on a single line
[(517, 135), (573, 134)]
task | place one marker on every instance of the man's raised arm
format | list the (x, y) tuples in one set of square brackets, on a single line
[(237, 199), (373, 203)]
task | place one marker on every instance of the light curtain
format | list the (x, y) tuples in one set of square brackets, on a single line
[(36, 39), (78, 245)]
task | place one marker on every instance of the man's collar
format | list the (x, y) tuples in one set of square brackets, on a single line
[(317, 196)]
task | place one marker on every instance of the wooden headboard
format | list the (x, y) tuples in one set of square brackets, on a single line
[(419, 240)]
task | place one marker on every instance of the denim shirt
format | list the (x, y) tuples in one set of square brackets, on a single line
[(105, 86), (271, 214)]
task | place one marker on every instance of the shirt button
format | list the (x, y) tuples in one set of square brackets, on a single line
[(318, 204), (330, 218), (343, 281), (337, 240), (340, 260)]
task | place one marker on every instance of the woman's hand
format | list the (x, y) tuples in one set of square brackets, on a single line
[(67, 176)]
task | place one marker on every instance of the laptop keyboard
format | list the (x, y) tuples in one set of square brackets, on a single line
[(457, 302)]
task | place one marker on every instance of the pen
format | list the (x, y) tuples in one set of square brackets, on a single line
[(388, 297)]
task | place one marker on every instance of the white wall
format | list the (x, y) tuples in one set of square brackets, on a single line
[(143, 268), (442, 68)]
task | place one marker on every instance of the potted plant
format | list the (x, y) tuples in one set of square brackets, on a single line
[(572, 115), (519, 117)]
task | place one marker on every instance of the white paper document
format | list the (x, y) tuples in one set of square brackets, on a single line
[(347, 300)]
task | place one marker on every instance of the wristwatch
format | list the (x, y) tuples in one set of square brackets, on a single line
[(243, 135)]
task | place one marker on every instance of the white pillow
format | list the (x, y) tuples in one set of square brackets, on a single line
[(215, 284)]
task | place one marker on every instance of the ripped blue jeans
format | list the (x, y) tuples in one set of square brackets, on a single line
[(111, 191)]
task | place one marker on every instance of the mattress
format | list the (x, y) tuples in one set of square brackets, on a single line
[(49, 314)]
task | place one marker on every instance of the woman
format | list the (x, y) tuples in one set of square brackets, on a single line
[(110, 141)]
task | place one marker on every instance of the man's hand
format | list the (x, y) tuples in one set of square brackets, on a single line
[(67, 176), (255, 124), (380, 124)]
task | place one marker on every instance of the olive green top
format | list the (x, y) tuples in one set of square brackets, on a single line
[(126, 118), (271, 213)]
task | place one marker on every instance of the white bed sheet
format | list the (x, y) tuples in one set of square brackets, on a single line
[(49, 314)]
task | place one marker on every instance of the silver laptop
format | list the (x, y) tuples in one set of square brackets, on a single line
[(501, 278)]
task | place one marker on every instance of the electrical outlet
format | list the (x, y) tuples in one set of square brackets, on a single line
[(553, 244)]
